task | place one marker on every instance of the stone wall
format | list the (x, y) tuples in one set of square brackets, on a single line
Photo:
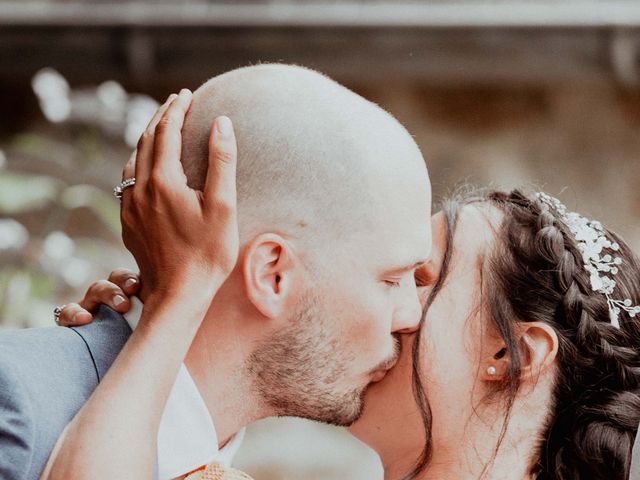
[(578, 141)]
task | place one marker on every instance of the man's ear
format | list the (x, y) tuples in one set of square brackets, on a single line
[(537, 347), (268, 269)]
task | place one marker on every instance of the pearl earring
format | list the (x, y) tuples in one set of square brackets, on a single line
[(491, 370)]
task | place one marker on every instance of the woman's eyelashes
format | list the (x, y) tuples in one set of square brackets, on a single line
[(425, 275)]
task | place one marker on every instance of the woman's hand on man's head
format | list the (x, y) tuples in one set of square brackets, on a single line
[(180, 236)]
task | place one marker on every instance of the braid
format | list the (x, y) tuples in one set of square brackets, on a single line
[(539, 271)]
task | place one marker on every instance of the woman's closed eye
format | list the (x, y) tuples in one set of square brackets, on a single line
[(425, 275)]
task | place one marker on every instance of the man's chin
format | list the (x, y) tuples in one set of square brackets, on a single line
[(368, 410), (350, 409)]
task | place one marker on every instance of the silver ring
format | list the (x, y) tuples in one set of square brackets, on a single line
[(56, 314), (126, 183)]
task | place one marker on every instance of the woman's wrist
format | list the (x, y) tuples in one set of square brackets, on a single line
[(194, 285), (186, 304), (194, 280), (190, 302)]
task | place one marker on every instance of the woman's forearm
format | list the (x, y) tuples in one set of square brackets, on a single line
[(187, 242), (114, 434)]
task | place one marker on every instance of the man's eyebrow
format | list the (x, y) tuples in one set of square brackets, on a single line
[(406, 268)]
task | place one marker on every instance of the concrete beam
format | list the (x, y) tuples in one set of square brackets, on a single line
[(502, 14)]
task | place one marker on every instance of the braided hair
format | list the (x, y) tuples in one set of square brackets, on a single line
[(536, 273)]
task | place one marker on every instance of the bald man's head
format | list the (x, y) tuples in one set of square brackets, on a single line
[(312, 156), (333, 209)]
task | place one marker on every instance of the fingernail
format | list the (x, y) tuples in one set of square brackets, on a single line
[(223, 125), (171, 97), (129, 282), (73, 319), (185, 92), (118, 300)]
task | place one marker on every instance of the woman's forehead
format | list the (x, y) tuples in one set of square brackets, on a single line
[(475, 230), (473, 240)]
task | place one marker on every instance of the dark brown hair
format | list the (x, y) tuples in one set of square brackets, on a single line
[(419, 393), (534, 272)]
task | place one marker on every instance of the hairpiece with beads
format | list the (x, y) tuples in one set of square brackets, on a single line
[(602, 267)]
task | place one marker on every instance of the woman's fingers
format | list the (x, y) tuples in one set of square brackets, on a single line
[(168, 140), (144, 150), (73, 315), (127, 280), (220, 193), (220, 186), (114, 293), (107, 293), (129, 169)]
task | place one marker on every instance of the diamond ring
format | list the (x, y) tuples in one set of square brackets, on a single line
[(126, 183), (56, 314)]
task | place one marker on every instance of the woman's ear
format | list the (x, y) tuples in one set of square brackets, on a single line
[(495, 365), (537, 347), (267, 265)]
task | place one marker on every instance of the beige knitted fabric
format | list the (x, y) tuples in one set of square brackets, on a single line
[(215, 471)]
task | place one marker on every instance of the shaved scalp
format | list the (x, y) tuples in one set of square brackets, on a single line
[(346, 186), (311, 153)]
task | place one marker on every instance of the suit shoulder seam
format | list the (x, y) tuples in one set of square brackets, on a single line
[(93, 360)]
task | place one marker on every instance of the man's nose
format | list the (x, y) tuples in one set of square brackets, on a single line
[(407, 315)]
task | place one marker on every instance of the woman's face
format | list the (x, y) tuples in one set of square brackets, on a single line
[(450, 353)]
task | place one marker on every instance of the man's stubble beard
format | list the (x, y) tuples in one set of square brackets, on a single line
[(298, 369)]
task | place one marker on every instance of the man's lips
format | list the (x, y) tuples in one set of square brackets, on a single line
[(383, 368)]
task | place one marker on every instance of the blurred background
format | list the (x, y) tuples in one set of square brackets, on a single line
[(501, 93)]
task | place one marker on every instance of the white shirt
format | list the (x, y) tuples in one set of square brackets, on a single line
[(187, 438)]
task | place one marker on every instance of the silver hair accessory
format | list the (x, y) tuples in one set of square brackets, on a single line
[(127, 182), (56, 314), (592, 240)]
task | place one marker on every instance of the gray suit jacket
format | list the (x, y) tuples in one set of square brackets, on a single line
[(46, 375)]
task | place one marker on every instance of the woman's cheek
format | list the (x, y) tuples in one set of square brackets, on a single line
[(390, 409)]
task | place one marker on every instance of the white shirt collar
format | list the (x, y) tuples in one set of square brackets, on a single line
[(187, 438)]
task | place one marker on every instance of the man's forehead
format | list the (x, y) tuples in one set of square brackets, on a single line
[(409, 251)]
